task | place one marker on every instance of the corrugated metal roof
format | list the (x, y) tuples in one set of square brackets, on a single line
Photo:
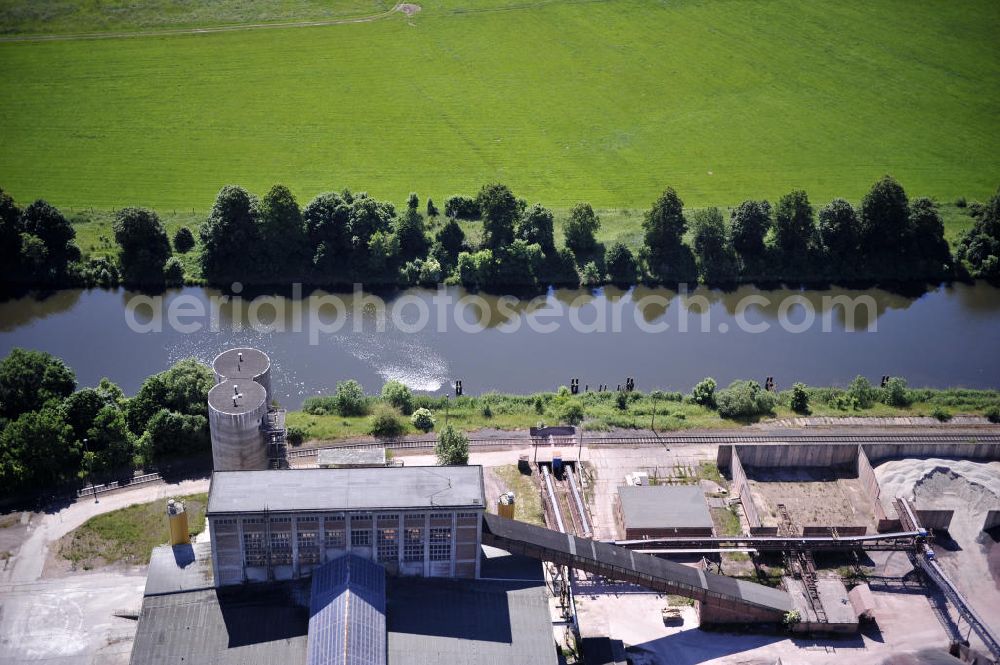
[(347, 613), (391, 488), (664, 506)]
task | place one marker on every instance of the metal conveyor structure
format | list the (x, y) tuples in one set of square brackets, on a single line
[(719, 599)]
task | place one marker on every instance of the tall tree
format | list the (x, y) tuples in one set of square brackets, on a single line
[(536, 227), (580, 228), (928, 235), (230, 237), (885, 217), (621, 264), (413, 242), (10, 237), (717, 262), (45, 222), (748, 225), (667, 257), (839, 229), (500, 210), (28, 379), (284, 248), (794, 225), (144, 246), (328, 227), (37, 450)]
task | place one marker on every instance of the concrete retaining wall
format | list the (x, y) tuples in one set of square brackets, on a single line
[(935, 519), (880, 452), (798, 454), (742, 489), (866, 474)]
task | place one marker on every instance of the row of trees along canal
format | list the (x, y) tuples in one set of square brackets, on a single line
[(343, 238), (52, 433)]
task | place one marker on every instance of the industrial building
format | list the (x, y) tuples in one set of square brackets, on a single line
[(280, 525), (663, 511)]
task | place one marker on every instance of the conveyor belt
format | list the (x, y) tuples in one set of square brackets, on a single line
[(753, 601)]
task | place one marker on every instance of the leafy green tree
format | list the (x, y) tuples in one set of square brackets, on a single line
[(451, 239), (928, 236), (45, 222), (800, 399), (885, 217), (703, 392), (350, 399), (621, 264), (171, 434), (383, 257), (452, 447), (328, 228), (500, 211), (895, 393), (183, 240), (839, 229), (10, 237), (580, 228), (183, 388), (28, 379), (477, 270), (744, 400), (231, 237), (517, 264), (413, 202), (385, 422), (590, 275), (284, 248), (367, 218), (536, 227), (173, 272), (37, 450), (717, 263), (110, 440), (862, 393), (413, 241), (398, 395), (559, 269), (432, 210), (794, 228), (81, 408), (34, 260), (572, 412), (666, 255), (144, 246), (461, 207), (980, 246), (748, 225), (422, 420)]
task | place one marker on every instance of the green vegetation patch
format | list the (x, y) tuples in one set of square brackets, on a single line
[(606, 102), (128, 535), (527, 499)]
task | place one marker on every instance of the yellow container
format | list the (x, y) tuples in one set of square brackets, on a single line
[(178, 519), (505, 505)]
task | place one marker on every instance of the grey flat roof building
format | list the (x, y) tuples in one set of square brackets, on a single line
[(414, 488), (664, 506)]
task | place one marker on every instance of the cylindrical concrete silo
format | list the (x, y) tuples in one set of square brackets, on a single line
[(245, 363), (235, 410)]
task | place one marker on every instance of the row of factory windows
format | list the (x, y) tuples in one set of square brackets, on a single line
[(332, 520), (438, 545)]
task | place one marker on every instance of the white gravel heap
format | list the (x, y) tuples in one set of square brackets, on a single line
[(941, 483)]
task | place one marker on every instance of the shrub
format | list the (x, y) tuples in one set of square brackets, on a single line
[(461, 207), (295, 436), (895, 393), (941, 414), (572, 412), (183, 240), (621, 401), (422, 420), (704, 393), (590, 275), (350, 399), (993, 414), (960, 202), (487, 411), (539, 405), (399, 396), (580, 228), (320, 406), (800, 399), (452, 447), (173, 272), (744, 399), (862, 392), (385, 421)]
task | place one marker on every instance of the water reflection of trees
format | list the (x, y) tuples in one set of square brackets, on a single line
[(25, 309)]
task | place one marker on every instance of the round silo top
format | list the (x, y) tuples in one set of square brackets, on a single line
[(236, 396), (244, 363)]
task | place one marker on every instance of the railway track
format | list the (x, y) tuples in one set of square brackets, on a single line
[(675, 440)]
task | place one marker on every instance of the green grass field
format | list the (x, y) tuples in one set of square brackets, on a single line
[(606, 102)]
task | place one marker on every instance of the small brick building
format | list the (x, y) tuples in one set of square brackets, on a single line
[(663, 511)]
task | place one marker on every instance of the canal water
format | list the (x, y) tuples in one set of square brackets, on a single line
[(948, 336)]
